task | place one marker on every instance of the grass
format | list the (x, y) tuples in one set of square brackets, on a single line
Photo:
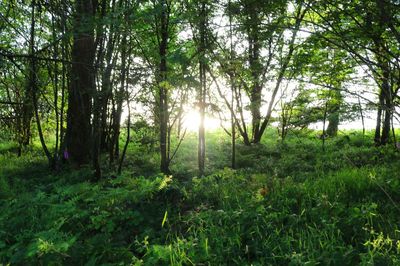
[(289, 203)]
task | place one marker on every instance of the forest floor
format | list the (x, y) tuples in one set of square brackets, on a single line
[(291, 203)]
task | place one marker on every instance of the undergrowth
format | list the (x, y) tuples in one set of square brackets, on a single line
[(290, 203)]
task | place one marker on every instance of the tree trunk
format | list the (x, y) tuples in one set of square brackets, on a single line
[(106, 86), (104, 97), (163, 89), (128, 136), (82, 85), (333, 124), (387, 101), (33, 84), (255, 107), (387, 115), (55, 96), (233, 140), (384, 76), (361, 115), (64, 85), (334, 112), (323, 126), (256, 71), (114, 145), (231, 78), (27, 115), (377, 137), (27, 105), (202, 90), (100, 132)]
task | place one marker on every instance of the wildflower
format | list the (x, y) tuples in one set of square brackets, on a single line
[(66, 154)]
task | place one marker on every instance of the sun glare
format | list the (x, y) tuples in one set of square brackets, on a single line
[(192, 121)]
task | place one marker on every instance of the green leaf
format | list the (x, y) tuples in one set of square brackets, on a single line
[(164, 219)]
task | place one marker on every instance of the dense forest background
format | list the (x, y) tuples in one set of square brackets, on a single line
[(180, 132)]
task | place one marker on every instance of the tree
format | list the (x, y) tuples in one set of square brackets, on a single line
[(368, 31), (200, 34), (163, 85), (82, 84), (268, 55)]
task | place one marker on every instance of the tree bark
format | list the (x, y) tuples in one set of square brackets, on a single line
[(361, 115), (128, 136), (231, 78), (82, 85), (163, 88), (334, 116), (255, 69), (377, 137), (64, 85), (55, 95), (387, 100), (114, 145), (384, 72), (386, 127)]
